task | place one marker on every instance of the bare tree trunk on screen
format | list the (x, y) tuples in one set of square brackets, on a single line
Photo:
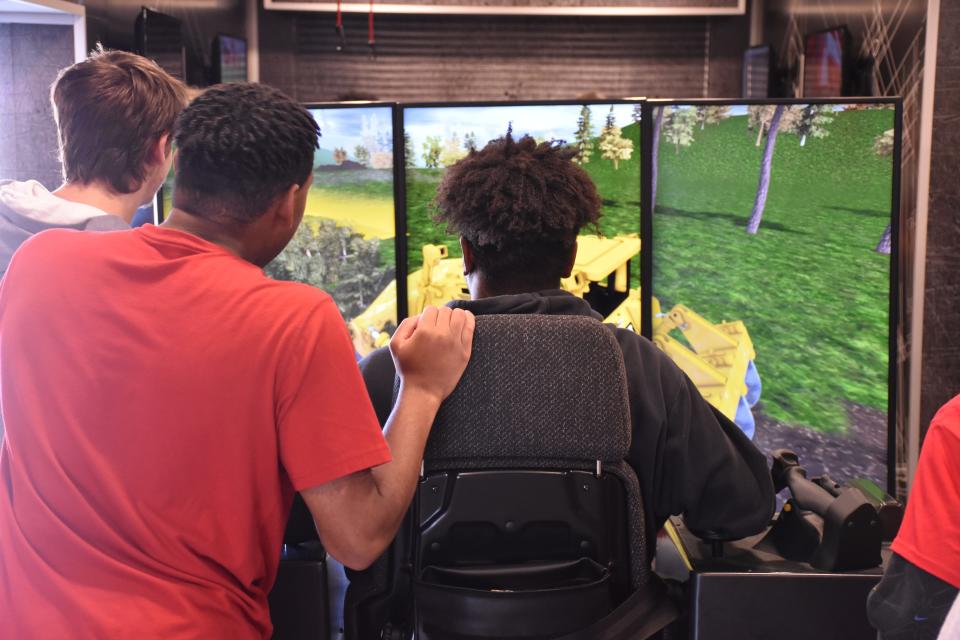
[(764, 186), (657, 125), (885, 242)]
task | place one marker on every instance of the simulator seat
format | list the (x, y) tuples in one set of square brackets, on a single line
[(299, 601), (527, 523)]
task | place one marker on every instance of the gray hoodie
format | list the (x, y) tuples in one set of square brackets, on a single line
[(27, 208)]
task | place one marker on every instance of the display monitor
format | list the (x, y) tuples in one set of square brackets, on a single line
[(757, 66), (346, 242), (229, 59), (160, 38), (825, 63), (773, 246), (607, 138)]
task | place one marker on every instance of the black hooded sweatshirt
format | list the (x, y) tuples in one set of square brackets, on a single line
[(690, 459)]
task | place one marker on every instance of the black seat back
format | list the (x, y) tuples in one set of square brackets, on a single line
[(527, 523)]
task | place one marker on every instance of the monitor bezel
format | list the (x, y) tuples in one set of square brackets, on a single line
[(896, 220)]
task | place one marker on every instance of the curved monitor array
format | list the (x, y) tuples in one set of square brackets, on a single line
[(753, 241)]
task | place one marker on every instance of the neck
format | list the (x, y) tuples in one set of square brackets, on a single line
[(480, 287), (102, 197), (227, 236)]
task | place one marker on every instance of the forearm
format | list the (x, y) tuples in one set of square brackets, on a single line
[(727, 492), (406, 433)]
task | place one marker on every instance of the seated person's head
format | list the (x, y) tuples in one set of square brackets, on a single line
[(244, 167), (115, 113), (518, 207)]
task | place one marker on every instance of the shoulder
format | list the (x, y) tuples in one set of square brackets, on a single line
[(947, 420), (640, 355), (299, 305), (106, 223), (48, 247)]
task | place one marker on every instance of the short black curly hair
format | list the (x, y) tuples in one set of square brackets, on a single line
[(520, 204), (239, 147)]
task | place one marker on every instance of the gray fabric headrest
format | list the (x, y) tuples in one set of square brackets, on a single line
[(537, 387)]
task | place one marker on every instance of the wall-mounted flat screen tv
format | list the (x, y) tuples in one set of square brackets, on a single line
[(757, 66), (160, 38), (229, 59), (773, 243), (606, 136), (825, 63)]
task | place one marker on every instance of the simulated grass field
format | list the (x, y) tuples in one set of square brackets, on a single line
[(437, 137), (812, 283)]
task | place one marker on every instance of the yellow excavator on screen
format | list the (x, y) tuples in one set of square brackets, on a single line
[(718, 357)]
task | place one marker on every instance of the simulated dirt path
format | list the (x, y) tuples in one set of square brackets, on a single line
[(860, 453)]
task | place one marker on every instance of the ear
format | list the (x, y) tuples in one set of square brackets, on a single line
[(571, 260), (161, 149), (469, 264), (285, 211)]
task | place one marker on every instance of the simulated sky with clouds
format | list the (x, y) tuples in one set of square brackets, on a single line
[(558, 122), (348, 127)]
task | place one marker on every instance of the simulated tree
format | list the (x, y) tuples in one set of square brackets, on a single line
[(883, 147), (613, 146), (763, 186), (583, 138), (712, 115), (409, 157), (758, 118), (362, 154), (432, 148), (470, 142), (811, 121), (339, 155), (654, 166), (452, 151), (678, 127), (336, 259)]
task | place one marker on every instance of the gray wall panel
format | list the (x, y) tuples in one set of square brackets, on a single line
[(30, 58), (420, 58)]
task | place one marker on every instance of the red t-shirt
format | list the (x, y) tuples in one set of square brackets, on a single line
[(162, 400), (930, 535)]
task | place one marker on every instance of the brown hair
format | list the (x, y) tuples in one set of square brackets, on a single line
[(110, 109)]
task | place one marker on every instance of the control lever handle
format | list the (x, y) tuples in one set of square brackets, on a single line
[(787, 473)]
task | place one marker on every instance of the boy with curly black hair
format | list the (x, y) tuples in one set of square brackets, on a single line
[(135, 510), (518, 207)]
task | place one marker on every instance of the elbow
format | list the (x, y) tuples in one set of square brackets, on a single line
[(362, 552)]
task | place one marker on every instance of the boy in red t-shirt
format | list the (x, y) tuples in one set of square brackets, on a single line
[(923, 577), (164, 400)]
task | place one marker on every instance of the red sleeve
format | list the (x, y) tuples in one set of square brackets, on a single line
[(326, 425), (930, 534)]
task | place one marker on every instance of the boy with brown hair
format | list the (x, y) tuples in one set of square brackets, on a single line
[(115, 113)]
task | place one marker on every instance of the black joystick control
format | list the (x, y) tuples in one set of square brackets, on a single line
[(834, 528)]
